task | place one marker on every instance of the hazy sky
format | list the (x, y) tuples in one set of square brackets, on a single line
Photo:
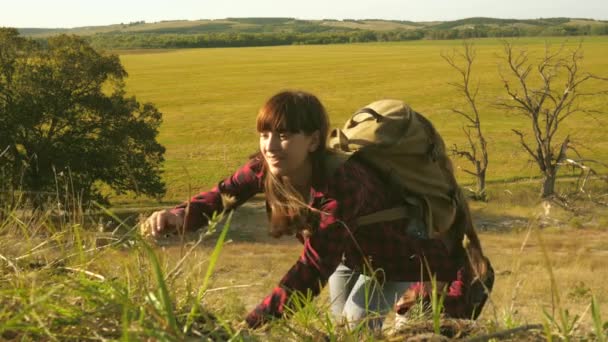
[(72, 13)]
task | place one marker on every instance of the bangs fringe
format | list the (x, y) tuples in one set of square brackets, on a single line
[(285, 112), (273, 120)]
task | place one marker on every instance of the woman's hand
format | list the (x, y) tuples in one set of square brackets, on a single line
[(161, 222)]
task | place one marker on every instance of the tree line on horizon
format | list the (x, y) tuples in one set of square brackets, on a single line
[(244, 39), (243, 32)]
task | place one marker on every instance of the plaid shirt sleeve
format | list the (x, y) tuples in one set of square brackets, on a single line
[(322, 252), (321, 255), (242, 185)]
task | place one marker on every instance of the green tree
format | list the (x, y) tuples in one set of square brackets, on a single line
[(65, 119)]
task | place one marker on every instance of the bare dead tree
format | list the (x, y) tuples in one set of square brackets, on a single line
[(546, 101), (476, 152)]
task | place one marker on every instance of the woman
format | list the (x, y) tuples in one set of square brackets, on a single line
[(368, 268)]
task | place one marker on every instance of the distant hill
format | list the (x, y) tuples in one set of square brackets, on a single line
[(281, 31)]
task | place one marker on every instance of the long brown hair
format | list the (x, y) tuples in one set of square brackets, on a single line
[(292, 111)]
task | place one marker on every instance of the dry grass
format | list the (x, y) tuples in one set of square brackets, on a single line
[(578, 261), (252, 263), (63, 290)]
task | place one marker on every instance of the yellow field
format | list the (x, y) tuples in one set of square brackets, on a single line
[(210, 97)]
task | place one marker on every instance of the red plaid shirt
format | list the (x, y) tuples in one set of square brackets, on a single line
[(352, 191)]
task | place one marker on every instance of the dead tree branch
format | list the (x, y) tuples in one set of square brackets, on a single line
[(476, 151), (547, 101)]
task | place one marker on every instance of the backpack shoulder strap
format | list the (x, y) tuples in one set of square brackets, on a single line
[(334, 159), (408, 211), (391, 214)]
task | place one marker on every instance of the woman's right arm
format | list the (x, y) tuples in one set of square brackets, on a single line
[(228, 194)]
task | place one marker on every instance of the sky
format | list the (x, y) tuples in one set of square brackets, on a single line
[(76, 13)]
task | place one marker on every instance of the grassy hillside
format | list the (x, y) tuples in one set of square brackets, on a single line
[(210, 97), (269, 25), (246, 32), (62, 282)]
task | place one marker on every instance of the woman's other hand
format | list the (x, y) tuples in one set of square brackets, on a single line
[(161, 222)]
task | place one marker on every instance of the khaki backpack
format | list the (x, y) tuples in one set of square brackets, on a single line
[(405, 149)]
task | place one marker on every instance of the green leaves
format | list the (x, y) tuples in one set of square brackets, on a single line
[(68, 125)]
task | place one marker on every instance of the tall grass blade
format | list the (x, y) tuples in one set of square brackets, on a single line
[(125, 323), (163, 292), (436, 305), (212, 261), (79, 248), (547, 328), (566, 323), (126, 309), (598, 324)]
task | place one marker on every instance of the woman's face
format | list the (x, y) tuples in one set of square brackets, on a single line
[(288, 154)]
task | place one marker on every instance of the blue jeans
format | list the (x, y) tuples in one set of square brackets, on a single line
[(355, 297)]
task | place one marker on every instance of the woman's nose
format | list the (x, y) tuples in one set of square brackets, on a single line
[(273, 143)]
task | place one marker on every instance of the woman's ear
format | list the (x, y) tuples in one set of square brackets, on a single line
[(314, 142)]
